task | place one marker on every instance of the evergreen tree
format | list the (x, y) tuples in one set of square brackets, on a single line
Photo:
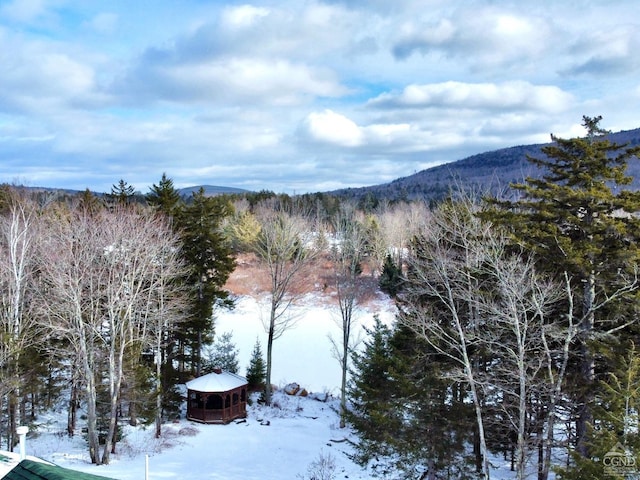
[(408, 418), (437, 421), (372, 391), (167, 200), (122, 193), (164, 197), (580, 218), (390, 280), (208, 256), (257, 370), (244, 231), (613, 437), (89, 202), (223, 354)]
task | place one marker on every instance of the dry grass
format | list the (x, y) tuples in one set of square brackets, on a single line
[(251, 278)]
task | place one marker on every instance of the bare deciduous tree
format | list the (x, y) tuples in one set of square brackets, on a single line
[(281, 248), (18, 237), (347, 255), (436, 295), (399, 224), (101, 276), (517, 305)]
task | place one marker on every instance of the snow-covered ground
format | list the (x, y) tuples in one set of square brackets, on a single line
[(279, 442)]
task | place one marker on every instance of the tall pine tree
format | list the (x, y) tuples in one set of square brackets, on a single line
[(210, 261), (122, 193)]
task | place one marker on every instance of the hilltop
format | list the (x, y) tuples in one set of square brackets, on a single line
[(490, 171)]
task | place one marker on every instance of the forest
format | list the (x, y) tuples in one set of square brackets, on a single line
[(515, 335)]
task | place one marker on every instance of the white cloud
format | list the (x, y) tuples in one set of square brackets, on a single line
[(606, 52), (333, 128), (481, 36), (243, 16), (255, 80), (51, 80), (23, 10), (504, 96)]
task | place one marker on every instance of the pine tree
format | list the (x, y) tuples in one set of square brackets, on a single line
[(407, 416), (223, 354), (164, 196), (89, 202), (613, 437), (256, 371), (122, 193), (372, 391), (390, 280), (208, 255)]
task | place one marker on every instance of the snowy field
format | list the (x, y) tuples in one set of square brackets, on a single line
[(279, 442)]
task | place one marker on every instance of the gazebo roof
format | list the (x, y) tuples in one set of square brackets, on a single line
[(217, 381)]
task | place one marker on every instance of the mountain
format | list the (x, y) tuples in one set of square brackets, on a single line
[(491, 171)]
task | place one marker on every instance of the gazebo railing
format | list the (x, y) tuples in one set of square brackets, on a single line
[(232, 407)]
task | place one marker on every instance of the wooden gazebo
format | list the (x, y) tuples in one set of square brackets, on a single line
[(218, 397)]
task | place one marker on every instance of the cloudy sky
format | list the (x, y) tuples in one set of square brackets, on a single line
[(299, 95)]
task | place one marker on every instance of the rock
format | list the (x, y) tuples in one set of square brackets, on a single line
[(320, 397), (291, 388)]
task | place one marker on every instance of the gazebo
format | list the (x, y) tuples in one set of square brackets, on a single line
[(218, 397)]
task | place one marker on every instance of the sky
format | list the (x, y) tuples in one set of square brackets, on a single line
[(298, 96)]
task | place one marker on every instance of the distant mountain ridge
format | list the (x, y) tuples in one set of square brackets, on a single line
[(489, 171)]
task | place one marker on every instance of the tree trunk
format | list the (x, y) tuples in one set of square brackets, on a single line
[(158, 361), (481, 435), (343, 384), (13, 423), (115, 382), (587, 367), (267, 386), (92, 430), (73, 410)]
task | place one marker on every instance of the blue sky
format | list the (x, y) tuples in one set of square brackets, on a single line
[(299, 95)]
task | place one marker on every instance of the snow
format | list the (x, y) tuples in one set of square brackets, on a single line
[(217, 382), (278, 442)]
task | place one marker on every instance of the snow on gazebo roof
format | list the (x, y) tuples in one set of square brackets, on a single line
[(217, 381)]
